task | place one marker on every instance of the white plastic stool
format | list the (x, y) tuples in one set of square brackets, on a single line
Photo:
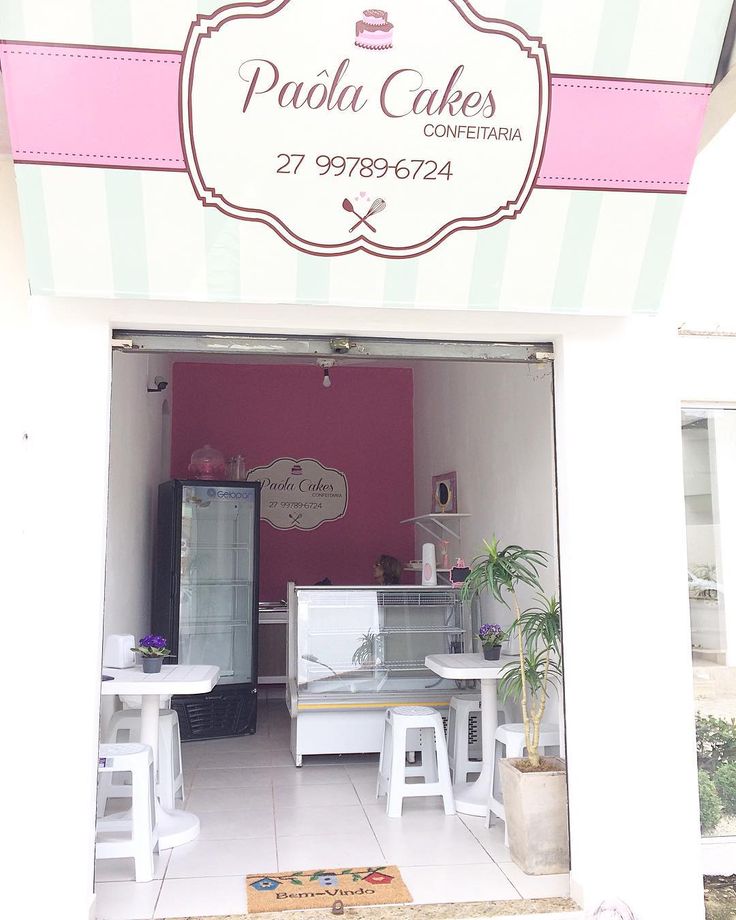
[(460, 716), (464, 745), (512, 737), (136, 759), (434, 768), (170, 785)]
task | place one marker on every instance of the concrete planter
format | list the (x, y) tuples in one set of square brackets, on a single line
[(535, 805)]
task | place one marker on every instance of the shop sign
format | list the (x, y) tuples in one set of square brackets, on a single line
[(430, 154), (300, 494), (363, 135)]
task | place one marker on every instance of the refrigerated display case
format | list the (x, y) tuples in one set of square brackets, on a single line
[(354, 652), (205, 598)]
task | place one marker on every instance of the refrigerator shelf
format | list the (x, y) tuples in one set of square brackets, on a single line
[(217, 628), (348, 669), (404, 598), (403, 630), (216, 583), (388, 631)]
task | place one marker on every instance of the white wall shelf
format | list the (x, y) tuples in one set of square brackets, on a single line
[(436, 525)]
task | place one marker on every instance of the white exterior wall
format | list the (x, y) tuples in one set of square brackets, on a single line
[(630, 741)]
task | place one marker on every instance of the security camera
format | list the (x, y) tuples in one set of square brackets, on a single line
[(159, 384), (341, 345)]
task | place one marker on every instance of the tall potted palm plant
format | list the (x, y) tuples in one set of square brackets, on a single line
[(534, 788)]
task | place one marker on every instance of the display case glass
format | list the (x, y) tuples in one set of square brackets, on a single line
[(369, 640)]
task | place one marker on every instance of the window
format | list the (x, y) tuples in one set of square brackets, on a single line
[(709, 460)]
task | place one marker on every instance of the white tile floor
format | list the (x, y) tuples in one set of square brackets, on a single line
[(259, 813)]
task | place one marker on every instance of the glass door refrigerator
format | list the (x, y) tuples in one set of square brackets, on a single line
[(205, 597)]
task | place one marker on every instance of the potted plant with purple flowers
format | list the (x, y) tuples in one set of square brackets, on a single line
[(491, 636), (152, 650)]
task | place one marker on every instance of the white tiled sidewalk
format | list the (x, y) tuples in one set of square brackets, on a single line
[(259, 813)]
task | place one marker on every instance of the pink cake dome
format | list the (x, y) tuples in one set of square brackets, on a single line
[(374, 31)]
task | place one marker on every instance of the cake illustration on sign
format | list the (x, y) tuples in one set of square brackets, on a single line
[(374, 31)]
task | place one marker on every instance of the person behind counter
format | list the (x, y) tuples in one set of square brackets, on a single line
[(387, 570)]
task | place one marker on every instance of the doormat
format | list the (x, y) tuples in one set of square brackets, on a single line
[(323, 887)]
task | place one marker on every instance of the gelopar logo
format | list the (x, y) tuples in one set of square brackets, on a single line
[(228, 494)]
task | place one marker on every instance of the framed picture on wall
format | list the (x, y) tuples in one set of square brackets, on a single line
[(444, 493)]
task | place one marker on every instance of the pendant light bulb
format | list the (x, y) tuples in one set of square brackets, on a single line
[(326, 364)]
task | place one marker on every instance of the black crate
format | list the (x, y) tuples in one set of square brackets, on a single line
[(222, 713)]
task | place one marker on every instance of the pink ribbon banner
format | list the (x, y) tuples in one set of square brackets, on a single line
[(75, 105)]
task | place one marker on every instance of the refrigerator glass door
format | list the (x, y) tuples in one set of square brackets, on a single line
[(216, 584)]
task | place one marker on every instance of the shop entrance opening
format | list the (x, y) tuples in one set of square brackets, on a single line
[(415, 453)]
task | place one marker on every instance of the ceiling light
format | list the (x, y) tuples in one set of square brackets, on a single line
[(326, 364)]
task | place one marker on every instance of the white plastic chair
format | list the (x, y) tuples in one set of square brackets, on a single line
[(170, 785), (141, 839), (434, 768), (511, 736)]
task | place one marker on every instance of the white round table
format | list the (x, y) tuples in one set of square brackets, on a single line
[(174, 827), (473, 798)]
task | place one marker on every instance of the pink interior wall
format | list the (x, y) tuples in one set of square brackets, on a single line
[(362, 425)]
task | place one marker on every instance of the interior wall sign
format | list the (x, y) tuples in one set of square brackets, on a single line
[(435, 153), (300, 494)]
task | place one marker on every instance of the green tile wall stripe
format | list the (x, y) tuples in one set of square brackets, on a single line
[(527, 13), (581, 227), (658, 253), (705, 48), (35, 228), (488, 265), (112, 23), (400, 283), (491, 245), (12, 23), (222, 254), (616, 36), (127, 228), (312, 279)]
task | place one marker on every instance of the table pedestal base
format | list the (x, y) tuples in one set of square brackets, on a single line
[(175, 827), (472, 798)]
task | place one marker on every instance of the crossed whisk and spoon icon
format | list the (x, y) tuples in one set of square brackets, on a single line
[(378, 205)]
